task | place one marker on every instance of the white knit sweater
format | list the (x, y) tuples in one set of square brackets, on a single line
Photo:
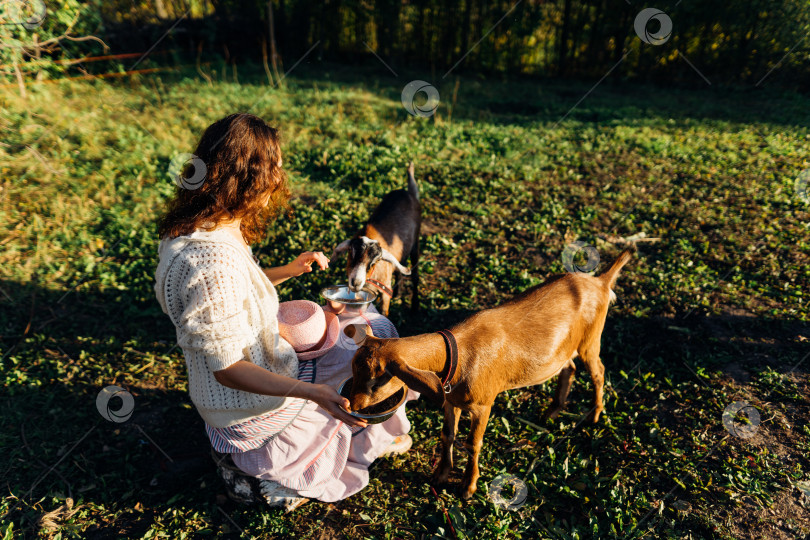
[(225, 310)]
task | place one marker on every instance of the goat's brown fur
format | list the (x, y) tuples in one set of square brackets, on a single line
[(523, 342)]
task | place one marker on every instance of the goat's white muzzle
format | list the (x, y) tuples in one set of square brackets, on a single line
[(357, 278)]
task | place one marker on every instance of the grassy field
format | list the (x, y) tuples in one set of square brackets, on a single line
[(713, 312)]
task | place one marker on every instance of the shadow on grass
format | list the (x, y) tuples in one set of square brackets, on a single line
[(529, 100), (501, 100), (62, 350)]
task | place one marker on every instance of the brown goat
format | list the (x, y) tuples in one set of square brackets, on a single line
[(392, 235), (523, 342)]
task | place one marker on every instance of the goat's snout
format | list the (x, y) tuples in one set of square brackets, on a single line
[(357, 278), (368, 397), (359, 401)]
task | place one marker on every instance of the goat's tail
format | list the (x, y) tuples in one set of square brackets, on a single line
[(413, 189), (612, 273)]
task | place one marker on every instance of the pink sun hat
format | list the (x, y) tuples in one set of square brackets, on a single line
[(310, 330)]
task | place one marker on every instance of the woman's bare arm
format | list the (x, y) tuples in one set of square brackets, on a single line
[(301, 265), (249, 377)]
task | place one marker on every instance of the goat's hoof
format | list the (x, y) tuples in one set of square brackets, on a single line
[(551, 414), (466, 493), (440, 478), (593, 417)]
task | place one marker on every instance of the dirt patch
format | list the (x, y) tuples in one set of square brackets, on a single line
[(737, 372), (723, 326), (429, 227), (786, 519), (779, 434)]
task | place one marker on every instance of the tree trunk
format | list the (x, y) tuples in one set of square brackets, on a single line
[(563, 46), (465, 26), (20, 80), (420, 54), (596, 23), (273, 53), (448, 40), (333, 27)]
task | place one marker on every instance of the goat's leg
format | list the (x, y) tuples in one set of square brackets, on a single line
[(384, 273), (398, 287), (386, 303), (451, 416), (590, 355), (480, 417), (563, 387), (415, 276)]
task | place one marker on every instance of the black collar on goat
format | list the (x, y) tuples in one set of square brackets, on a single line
[(391, 235)]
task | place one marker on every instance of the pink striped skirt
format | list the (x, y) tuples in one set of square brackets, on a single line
[(317, 455)]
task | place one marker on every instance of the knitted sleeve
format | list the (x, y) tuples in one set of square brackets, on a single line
[(214, 320)]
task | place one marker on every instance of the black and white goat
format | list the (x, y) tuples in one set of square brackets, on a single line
[(391, 235)]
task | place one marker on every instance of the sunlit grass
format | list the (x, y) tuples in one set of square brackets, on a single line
[(84, 172)]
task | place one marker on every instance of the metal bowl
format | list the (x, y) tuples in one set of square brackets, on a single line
[(372, 418), (341, 295)]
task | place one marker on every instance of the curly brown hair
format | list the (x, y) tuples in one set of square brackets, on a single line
[(242, 155)]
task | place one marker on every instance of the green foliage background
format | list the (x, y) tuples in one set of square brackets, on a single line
[(46, 38), (737, 41)]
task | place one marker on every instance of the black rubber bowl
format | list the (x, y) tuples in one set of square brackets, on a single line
[(379, 412)]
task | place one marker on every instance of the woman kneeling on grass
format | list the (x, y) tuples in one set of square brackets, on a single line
[(255, 390)]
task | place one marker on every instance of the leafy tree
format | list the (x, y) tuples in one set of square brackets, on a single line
[(37, 39)]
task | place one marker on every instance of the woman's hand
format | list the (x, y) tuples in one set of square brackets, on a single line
[(249, 377), (303, 263), (328, 398)]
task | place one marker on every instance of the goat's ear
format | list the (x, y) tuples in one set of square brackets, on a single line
[(424, 382), (340, 248), (359, 333), (388, 256)]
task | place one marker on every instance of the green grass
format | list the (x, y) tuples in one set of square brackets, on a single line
[(714, 312)]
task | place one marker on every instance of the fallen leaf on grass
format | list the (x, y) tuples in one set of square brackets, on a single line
[(53, 520)]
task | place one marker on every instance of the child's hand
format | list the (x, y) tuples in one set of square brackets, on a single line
[(303, 263)]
